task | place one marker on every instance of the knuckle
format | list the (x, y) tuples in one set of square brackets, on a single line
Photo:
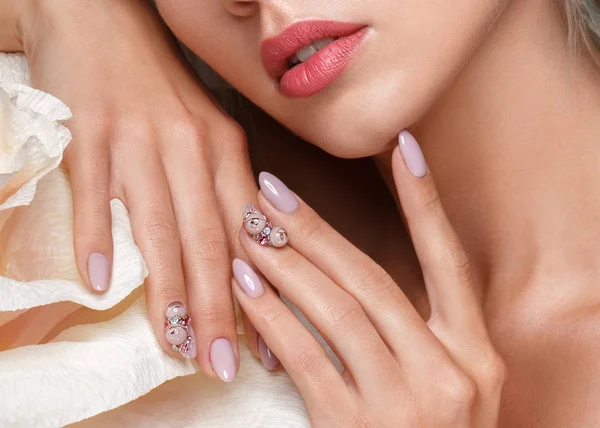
[(133, 128), (309, 361), (459, 262), (211, 315), (429, 200), (284, 265), (96, 119), (374, 280), (268, 315), (312, 226), (492, 372), (168, 291), (232, 134), (460, 392), (160, 229), (94, 237), (189, 133), (207, 246), (358, 420), (344, 314)]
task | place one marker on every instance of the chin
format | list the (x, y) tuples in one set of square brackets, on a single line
[(351, 142), (365, 124)]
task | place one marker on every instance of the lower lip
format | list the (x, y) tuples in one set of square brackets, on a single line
[(321, 69)]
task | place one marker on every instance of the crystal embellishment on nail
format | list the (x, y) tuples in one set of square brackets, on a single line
[(262, 230), (178, 330)]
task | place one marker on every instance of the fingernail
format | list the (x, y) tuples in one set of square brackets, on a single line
[(412, 154), (247, 279), (98, 271), (222, 359), (179, 331), (262, 230), (277, 193), (268, 358)]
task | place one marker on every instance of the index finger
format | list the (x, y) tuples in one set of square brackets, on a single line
[(444, 262)]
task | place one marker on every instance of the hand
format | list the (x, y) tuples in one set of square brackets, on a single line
[(146, 132), (400, 371)]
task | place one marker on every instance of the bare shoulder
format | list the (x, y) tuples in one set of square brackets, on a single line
[(554, 369)]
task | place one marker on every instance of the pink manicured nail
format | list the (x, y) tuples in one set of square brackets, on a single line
[(268, 358), (98, 271), (412, 154), (179, 331), (223, 360), (277, 193), (247, 279)]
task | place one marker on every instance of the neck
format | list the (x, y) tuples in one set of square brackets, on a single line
[(514, 145)]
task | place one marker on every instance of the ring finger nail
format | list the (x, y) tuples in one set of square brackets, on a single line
[(268, 358), (223, 360), (262, 230), (179, 331)]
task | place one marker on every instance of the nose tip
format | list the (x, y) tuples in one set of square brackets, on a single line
[(241, 8)]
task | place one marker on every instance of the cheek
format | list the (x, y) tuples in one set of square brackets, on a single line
[(192, 21)]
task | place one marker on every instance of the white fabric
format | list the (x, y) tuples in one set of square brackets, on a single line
[(68, 356)]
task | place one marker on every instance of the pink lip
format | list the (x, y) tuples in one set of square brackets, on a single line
[(323, 68)]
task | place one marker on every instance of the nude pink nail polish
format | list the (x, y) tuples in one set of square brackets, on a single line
[(277, 193), (412, 154), (98, 271), (268, 358), (223, 359), (247, 279)]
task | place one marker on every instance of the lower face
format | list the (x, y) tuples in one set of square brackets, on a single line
[(354, 96)]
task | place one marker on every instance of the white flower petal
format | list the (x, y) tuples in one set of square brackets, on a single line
[(129, 271), (32, 139), (256, 399), (86, 370)]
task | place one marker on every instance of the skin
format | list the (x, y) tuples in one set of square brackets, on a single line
[(507, 118), (529, 232), (406, 38), (151, 137)]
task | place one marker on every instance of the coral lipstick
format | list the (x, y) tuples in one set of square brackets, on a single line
[(321, 67)]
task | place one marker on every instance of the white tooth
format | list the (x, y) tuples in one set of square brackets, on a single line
[(320, 44), (306, 52)]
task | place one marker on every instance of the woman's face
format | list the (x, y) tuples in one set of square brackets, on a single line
[(346, 75)]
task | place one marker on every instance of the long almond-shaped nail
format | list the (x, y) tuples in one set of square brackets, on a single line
[(412, 154), (98, 271), (247, 278), (223, 360), (179, 331), (277, 193), (268, 358)]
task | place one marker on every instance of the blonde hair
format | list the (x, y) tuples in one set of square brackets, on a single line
[(583, 19)]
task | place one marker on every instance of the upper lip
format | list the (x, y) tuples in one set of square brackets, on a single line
[(276, 51)]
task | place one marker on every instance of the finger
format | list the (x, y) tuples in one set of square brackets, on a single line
[(300, 353), (89, 168), (234, 182), (443, 260), (335, 314), (156, 233), (390, 311), (206, 257)]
